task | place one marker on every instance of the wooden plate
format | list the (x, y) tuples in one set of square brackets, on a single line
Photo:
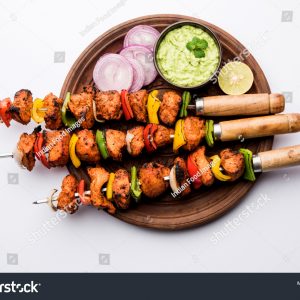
[(199, 207)]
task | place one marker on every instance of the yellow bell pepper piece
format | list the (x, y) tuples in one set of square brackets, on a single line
[(216, 162), (72, 150), (179, 138), (153, 105), (36, 113), (109, 190)]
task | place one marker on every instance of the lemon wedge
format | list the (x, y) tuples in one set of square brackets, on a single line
[(235, 78)]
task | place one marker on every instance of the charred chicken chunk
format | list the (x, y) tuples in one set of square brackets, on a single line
[(194, 131), (137, 102), (21, 107), (57, 146), (135, 140), (86, 147), (162, 136), (53, 120), (25, 150), (121, 188), (81, 106), (182, 175), (115, 143), (108, 105), (99, 177), (89, 89), (203, 165), (233, 163), (66, 198), (169, 107), (151, 177)]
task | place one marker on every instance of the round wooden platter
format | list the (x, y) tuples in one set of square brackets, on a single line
[(166, 212)]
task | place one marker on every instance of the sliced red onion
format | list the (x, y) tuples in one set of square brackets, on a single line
[(138, 75), (113, 72), (129, 138), (145, 57), (143, 35), (18, 157), (95, 113), (173, 181)]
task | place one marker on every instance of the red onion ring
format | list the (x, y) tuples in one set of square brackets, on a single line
[(143, 35), (145, 57), (113, 72)]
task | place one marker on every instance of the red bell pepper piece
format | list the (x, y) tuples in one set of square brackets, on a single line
[(38, 150), (149, 131), (36, 147), (153, 129), (193, 170), (5, 114), (126, 106), (80, 190)]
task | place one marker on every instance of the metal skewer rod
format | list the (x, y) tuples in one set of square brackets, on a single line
[(86, 193), (43, 201), (6, 155)]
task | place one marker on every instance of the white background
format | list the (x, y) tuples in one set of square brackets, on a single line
[(267, 240)]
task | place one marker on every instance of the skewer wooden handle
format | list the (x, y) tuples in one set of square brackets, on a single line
[(248, 104), (259, 127), (279, 158)]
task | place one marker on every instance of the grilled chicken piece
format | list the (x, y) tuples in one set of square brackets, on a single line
[(169, 107), (194, 131), (115, 143), (151, 177), (182, 175), (52, 117), (81, 106), (137, 102), (57, 146), (137, 144), (99, 177), (66, 198), (86, 147), (162, 136), (89, 89), (25, 150), (203, 165), (233, 163), (22, 106), (121, 189), (108, 105)]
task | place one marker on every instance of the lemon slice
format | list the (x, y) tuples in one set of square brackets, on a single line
[(235, 78)]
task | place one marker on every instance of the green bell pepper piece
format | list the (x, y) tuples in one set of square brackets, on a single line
[(68, 119), (135, 189), (249, 172), (101, 142), (209, 133), (186, 98)]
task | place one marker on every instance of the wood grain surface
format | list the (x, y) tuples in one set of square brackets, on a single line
[(243, 105), (259, 126), (165, 212), (279, 158)]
